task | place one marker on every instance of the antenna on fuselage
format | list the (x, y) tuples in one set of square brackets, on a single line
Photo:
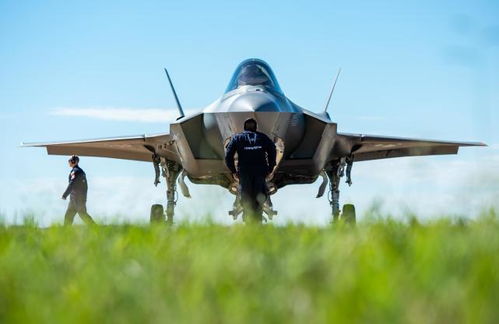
[(179, 106), (332, 90)]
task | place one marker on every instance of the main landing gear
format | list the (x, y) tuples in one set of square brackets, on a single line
[(171, 171), (334, 172)]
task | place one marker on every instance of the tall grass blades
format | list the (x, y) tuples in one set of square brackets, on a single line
[(380, 271)]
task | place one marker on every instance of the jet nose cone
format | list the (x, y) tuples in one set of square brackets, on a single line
[(257, 101)]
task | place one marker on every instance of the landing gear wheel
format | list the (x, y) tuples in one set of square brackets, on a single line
[(157, 214), (348, 214)]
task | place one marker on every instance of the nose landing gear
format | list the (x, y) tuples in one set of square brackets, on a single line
[(237, 209)]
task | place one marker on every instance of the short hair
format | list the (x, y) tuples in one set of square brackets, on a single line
[(74, 159), (250, 125)]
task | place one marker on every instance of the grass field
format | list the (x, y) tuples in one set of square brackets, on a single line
[(384, 271)]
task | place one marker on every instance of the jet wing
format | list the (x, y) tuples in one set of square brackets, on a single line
[(138, 148), (371, 147)]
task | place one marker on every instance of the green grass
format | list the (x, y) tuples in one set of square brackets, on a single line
[(383, 271)]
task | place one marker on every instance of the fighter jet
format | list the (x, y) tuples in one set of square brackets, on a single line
[(308, 144)]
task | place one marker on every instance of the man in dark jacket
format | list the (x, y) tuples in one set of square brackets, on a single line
[(256, 160), (77, 190)]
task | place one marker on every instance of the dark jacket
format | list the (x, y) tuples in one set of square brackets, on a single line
[(256, 153), (77, 186)]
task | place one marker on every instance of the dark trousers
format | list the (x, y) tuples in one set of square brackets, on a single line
[(253, 190), (77, 205)]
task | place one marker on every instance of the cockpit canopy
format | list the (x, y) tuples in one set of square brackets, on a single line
[(254, 72)]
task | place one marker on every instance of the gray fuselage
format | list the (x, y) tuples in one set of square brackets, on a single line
[(298, 134)]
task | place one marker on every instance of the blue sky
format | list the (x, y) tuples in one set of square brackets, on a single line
[(420, 69)]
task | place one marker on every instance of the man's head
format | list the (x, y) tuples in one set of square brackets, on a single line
[(73, 161), (250, 125)]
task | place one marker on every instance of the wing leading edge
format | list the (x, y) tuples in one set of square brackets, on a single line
[(138, 148), (371, 147)]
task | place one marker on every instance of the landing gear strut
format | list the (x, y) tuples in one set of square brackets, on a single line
[(268, 209), (335, 172), (170, 170)]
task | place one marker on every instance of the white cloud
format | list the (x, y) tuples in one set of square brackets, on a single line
[(145, 115), (431, 186)]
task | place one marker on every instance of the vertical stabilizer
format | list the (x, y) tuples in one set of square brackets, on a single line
[(179, 106), (332, 90)]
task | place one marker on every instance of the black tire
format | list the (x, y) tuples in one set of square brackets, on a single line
[(348, 214), (157, 214)]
